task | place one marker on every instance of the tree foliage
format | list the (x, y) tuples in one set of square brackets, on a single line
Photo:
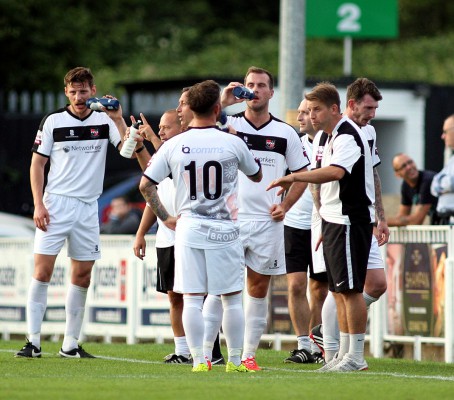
[(154, 39)]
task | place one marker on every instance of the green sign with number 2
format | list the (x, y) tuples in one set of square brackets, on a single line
[(356, 18)]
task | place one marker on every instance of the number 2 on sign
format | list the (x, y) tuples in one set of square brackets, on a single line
[(350, 14)]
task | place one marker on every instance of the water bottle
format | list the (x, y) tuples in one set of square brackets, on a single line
[(96, 103), (222, 122), (130, 144), (241, 92)]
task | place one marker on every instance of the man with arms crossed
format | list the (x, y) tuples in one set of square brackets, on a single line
[(204, 164), (347, 211), (75, 140), (416, 201)]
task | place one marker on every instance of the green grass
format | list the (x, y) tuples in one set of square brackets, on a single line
[(137, 372)]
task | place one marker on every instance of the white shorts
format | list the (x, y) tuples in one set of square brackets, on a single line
[(263, 244), (318, 261), (71, 220), (212, 271), (375, 260)]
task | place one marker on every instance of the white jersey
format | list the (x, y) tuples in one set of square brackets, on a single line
[(278, 147), (350, 199), (165, 237), (204, 164), (300, 215), (77, 150)]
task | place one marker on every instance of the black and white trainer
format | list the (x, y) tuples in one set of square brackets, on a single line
[(29, 351), (318, 358), (177, 359), (316, 336), (77, 352), (218, 360), (300, 357)]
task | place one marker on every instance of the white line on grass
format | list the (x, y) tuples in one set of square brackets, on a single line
[(391, 374)]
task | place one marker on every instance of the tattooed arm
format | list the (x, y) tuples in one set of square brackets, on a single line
[(315, 190), (382, 233), (150, 194)]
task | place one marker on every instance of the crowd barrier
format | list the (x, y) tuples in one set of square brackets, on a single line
[(122, 302)]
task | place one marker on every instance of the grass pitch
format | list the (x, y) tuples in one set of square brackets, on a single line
[(137, 372)]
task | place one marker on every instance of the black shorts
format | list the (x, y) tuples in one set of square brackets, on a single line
[(346, 251), (298, 254), (165, 269)]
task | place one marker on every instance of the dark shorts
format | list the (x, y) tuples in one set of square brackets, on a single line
[(298, 254), (346, 251), (165, 269)]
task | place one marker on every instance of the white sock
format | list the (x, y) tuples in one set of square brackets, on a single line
[(330, 327), (75, 310), (369, 299), (36, 307), (181, 346), (194, 326), (212, 315), (304, 343), (344, 344), (255, 317), (356, 348), (233, 325)]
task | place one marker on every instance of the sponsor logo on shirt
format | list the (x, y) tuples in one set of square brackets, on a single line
[(218, 235), (72, 134), (86, 149), (201, 150)]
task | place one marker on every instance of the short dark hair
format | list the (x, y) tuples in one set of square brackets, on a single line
[(80, 75), (326, 93), (257, 70), (360, 87), (203, 96)]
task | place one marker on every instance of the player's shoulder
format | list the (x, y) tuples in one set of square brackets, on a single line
[(282, 126), (51, 116)]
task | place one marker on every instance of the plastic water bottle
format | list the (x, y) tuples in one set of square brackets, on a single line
[(96, 103), (242, 92), (222, 122), (130, 144)]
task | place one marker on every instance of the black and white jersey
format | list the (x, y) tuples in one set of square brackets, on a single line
[(371, 137), (77, 151), (350, 199), (278, 147)]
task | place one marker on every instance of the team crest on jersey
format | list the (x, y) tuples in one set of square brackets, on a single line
[(319, 154), (270, 144), (94, 132)]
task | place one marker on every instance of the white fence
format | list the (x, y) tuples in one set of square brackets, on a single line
[(122, 302)]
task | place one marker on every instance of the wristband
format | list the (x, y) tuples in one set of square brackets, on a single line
[(139, 150)]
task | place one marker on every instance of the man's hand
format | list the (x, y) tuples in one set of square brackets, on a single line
[(285, 182), (277, 212), (171, 222), (140, 244), (381, 232), (227, 97), (41, 217)]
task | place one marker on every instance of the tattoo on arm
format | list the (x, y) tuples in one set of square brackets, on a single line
[(315, 190), (151, 197), (379, 210)]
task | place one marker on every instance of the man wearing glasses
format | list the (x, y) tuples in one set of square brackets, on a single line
[(416, 200)]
